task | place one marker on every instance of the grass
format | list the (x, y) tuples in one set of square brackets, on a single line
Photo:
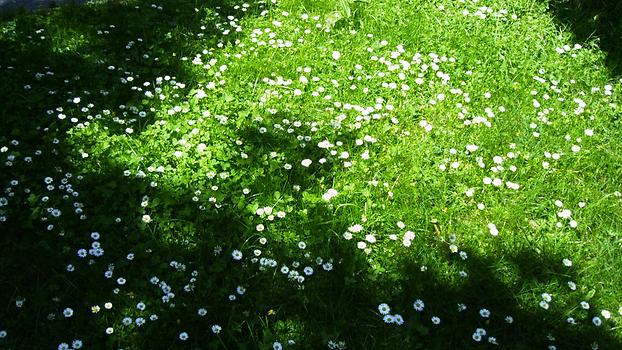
[(261, 175)]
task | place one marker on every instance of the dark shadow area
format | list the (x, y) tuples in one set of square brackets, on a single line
[(339, 304), (41, 71), (594, 20)]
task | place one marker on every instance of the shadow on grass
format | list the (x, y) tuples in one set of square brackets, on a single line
[(598, 20), (339, 304)]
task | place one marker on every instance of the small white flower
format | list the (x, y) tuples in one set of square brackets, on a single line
[(306, 162), (544, 305), (236, 255), (398, 319), (384, 309), (370, 238), (183, 336), (418, 305), (355, 228), (200, 94), (336, 55), (146, 219), (493, 229), (564, 214), (330, 194)]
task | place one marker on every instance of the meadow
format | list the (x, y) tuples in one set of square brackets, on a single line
[(349, 174)]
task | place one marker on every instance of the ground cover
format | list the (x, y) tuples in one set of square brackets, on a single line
[(304, 174)]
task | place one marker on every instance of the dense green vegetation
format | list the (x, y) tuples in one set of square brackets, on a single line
[(309, 174)]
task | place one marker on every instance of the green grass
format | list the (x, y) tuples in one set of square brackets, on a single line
[(182, 141)]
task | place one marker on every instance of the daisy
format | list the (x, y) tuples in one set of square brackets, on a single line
[(236, 255), (398, 319), (418, 305), (384, 309)]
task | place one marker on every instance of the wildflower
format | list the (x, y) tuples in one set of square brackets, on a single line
[(418, 305), (330, 194), (484, 313), (398, 319), (544, 305), (336, 55), (597, 321), (146, 219), (277, 346), (68, 312), (493, 229), (237, 255), (384, 309), (436, 320), (388, 319), (606, 314), (183, 336), (306, 162), (216, 329), (355, 228)]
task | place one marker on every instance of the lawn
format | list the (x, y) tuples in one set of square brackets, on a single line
[(380, 174)]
